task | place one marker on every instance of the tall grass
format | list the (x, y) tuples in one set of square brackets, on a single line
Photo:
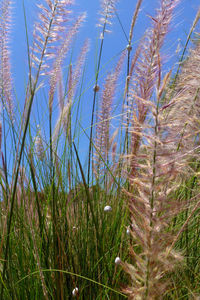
[(125, 224)]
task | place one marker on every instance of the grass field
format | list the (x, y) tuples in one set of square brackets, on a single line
[(121, 221)]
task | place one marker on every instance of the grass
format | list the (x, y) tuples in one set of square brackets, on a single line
[(124, 224)]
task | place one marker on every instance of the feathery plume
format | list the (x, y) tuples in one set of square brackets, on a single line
[(60, 55), (39, 147), (69, 91), (5, 69), (153, 166), (60, 90), (78, 70), (134, 20), (53, 17), (103, 119), (63, 119), (152, 209), (107, 10), (183, 111), (146, 72), (73, 79)]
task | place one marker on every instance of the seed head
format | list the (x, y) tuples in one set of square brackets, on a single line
[(39, 147)]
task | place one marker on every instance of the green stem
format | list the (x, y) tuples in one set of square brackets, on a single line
[(19, 158)]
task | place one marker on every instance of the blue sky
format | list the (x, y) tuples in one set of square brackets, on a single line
[(115, 42)]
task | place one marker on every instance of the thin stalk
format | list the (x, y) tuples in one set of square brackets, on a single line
[(41, 219), (14, 192), (54, 205), (18, 159), (129, 48), (95, 221), (94, 99), (129, 72), (28, 48), (5, 160)]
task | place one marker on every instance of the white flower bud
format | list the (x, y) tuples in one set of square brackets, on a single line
[(107, 208), (75, 292), (117, 260)]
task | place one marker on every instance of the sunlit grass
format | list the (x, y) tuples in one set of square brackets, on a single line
[(122, 219)]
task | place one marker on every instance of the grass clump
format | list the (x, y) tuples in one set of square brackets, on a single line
[(125, 224)]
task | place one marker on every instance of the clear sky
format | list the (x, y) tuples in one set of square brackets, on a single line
[(115, 42)]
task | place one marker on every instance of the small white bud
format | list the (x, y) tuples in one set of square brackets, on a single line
[(117, 260), (75, 292), (128, 231), (107, 208)]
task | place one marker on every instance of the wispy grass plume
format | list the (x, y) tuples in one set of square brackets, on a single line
[(146, 72), (5, 68), (103, 138), (107, 10)]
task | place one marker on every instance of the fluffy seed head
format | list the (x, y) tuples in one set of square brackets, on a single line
[(5, 69), (107, 11), (104, 116), (60, 55), (39, 147), (75, 292)]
